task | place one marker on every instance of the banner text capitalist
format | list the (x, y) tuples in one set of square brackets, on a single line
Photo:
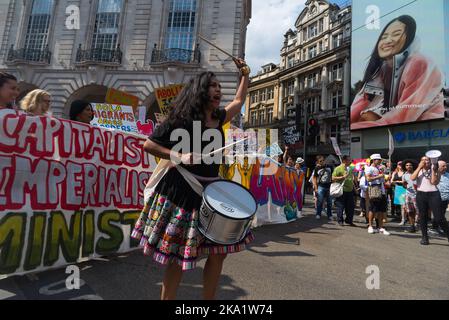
[(50, 137)]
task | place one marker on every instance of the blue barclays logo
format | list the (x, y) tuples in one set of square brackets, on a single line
[(421, 135), (400, 137)]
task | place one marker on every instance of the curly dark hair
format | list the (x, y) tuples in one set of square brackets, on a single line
[(407, 161), (191, 102)]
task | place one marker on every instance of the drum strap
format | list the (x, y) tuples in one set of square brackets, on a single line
[(191, 180), (161, 170)]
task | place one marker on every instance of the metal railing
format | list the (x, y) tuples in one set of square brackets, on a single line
[(29, 55), (99, 55), (176, 55)]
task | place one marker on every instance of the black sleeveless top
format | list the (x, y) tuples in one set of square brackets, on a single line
[(173, 185)]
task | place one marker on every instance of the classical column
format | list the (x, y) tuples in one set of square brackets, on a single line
[(347, 82), (281, 103), (324, 83)]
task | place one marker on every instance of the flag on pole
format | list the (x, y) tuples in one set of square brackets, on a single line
[(390, 144), (336, 146)]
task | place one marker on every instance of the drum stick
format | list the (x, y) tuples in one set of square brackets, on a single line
[(218, 48), (225, 147)]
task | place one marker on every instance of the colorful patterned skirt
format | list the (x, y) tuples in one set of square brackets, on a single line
[(168, 226)]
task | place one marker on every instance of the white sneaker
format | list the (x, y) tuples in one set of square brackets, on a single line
[(318, 217), (402, 223), (370, 230), (384, 232), (299, 215)]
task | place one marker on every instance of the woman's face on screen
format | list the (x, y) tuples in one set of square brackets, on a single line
[(392, 40)]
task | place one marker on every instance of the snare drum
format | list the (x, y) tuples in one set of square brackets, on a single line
[(226, 212)]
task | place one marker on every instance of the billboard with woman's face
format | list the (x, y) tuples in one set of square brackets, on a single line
[(399, 62)]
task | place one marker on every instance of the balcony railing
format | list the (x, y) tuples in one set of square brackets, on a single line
[(312, 87), (330, 113), (29, 55), (176, 55), (99, 55)]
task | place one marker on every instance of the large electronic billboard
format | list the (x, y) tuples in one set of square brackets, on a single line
[(399, 62)]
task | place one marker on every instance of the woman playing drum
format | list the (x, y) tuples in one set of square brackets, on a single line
[(168, 225)]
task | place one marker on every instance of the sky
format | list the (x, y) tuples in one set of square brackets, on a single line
[(270, 20)]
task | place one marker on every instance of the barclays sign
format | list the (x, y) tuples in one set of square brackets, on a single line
[(401, 137)]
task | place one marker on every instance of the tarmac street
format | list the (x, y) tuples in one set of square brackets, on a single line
[(305, 259)]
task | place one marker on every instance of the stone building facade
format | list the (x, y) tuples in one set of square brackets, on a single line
[(130, 45), (312, 81)]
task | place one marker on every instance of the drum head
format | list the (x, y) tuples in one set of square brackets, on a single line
[(230, 199)]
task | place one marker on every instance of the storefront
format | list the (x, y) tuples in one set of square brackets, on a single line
[(410, 141)]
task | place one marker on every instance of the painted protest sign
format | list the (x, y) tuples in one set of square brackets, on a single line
[(123, 98), (68, 191), (114, 117), (165, 96), (291, 136), (279, 195)]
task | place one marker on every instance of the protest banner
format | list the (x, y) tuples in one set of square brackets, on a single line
[(123, 98), (115, 117), (70, 192), (279, 196), (166, 95)]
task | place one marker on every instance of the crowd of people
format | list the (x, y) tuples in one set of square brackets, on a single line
[(167, 226), (38, 102), (414, 193)]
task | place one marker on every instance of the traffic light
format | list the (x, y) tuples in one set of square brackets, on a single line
[(298, 115), (314, 128)]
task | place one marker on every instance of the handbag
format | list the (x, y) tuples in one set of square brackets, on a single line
[(375, 192), (336, 190)]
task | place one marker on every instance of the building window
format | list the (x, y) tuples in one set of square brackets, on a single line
[(311, 80), (337, 40), (337, 72), (39, 24), (263, 95), (262, 116), (335, 131), (313, 30), (253, 118), (291, 61), (255, 97), (312, 52), (181, 24), (321, 26), (312, 105), (270, 93), (337, 99), (107, 21), (304, 35), (269, 115), (290, 90)]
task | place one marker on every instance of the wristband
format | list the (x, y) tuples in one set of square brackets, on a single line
[(245, 70)]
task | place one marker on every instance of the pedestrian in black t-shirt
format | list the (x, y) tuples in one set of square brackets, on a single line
[(322, 179)]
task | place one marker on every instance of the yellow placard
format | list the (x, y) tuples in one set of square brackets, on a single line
[(123, 98), (166, 95)]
